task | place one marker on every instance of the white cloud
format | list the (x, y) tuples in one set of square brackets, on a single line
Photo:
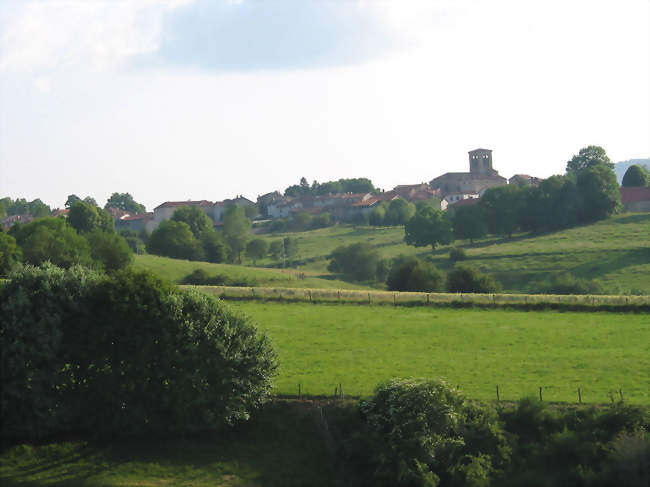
[(52, 35)]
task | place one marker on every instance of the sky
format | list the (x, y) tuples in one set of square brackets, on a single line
[(209, 99)]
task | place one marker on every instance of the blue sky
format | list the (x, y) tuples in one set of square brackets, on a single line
[(180, 99)]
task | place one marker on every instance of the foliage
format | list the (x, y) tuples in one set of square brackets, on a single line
[(409, 431), (291, 249), (469, 222), (109, 249), (321, 220), (53, 240), (214, 247), (124, 354), (635, 176), (236, 227), (353, 185), (196, 218), (175, 239), (465, 279), (124, 202), (399, 212), (566, 284), (413, 274), (256, 249), (133, 240), (428, 227), (599, 193), (378, 214), (20, 206), (356, 262), (85, 217), (276, 250), (502, 207), (587, 157), (200, 277), (10, 253)]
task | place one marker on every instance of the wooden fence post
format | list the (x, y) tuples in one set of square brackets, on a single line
[(340, 391), (498, 398), (579, 396), (540, 393), (299, 392)]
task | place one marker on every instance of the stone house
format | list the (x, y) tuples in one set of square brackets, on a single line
[(480, 177)]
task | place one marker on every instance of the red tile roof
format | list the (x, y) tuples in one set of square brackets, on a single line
[(141, 216), (176, 204)]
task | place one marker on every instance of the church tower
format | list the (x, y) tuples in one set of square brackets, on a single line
[(480, 162)]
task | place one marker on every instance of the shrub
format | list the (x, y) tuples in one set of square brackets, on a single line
[(199, 277), (357, 262), (123, 354), (567, 284), (176, 240), (457, 253), (412, 274), (464, 279)]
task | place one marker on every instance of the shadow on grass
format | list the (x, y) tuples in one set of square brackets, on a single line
[(613, 262), (276, 447)]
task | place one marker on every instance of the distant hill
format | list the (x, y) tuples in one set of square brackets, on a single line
[(621, 167)]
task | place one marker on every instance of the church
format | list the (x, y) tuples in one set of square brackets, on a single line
[(480, 177)]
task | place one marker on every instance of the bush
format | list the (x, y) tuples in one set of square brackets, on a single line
[(199, 277), (357, 262), (457, 253), (412, 274), (176, 240), (567, 284), (464, 279), (123, 354)]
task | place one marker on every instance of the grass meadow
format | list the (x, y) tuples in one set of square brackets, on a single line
[(615, 252), (323, 345)]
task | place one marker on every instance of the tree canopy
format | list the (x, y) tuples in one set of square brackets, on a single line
[(588, 157), (124, 202), (176, 240), (635, 176), (196, 218), (85, 217), (428, 227)]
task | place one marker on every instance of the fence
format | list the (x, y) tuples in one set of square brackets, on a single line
[(640, 303)]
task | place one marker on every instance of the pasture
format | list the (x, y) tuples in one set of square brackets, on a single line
[(323, 345)]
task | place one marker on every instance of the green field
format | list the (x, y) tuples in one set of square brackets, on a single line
[(615, 252), (176, 269), (323, 345)]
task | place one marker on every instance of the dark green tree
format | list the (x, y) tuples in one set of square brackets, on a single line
[(465, 279), (635, 176), (214, 247), (469, 222), (276, 250), (356, 262), (90, 200), (196, 218), (10, 253), (124, 202), (428, 227), (52, 239), (176, 240), (72, 199), (85, 217), (503, 207), (590, 156), (599, 193), (399, 212), (256, 249), (109, 249), (413, 274), (291, 249)]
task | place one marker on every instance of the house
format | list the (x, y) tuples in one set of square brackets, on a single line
[(116, 213), (452, 198), (480, 177), (636, 199), (9, 221), (220, 207), (166, 210), (137, 223), (525, 180)]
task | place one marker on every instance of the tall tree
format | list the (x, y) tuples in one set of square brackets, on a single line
[(124, 202), (588, 157), (469, 222), (72, 199), (503, 208), (428, 227), (599, 193), (256, 249), (85, 217), (196, 218)]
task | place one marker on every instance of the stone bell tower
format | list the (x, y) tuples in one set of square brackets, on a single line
[(480, 162)]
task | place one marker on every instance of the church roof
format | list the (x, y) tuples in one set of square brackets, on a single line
[(480, 150), (468, 175)]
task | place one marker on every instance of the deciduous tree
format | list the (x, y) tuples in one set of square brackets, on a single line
[(428, 227)]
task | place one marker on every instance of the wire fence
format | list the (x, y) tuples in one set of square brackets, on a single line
[(526, 301)]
